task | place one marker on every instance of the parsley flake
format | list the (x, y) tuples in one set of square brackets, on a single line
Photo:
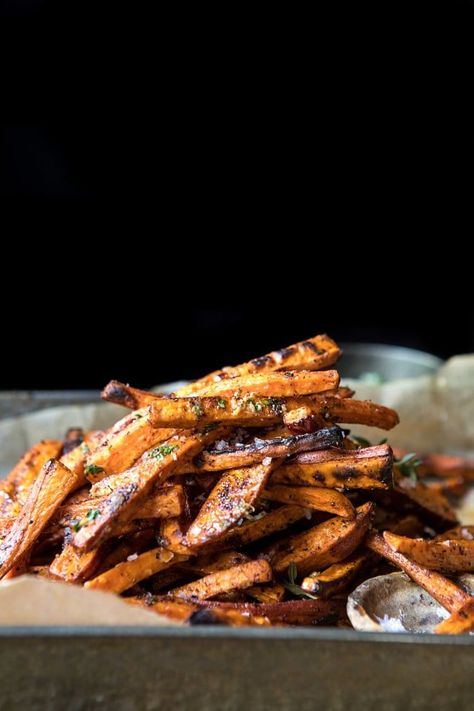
[(93, 469), (292, 586), (92, 514), (162, 451), (407, 465)]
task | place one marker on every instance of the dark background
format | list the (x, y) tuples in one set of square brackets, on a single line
[(183, 192)]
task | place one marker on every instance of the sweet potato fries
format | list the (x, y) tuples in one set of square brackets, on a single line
[(239, 500)]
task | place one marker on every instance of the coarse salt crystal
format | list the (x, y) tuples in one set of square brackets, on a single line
[(134, 556), (266, 461)]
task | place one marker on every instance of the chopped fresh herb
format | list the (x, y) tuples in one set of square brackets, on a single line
[(257, 405), (361, 441), (85, 448), (92, 514), (407, 465), (383, 441), (292, 586), (150, 600), (197, 410), (138, 416), (221, 403), (93, 469), (273, 403), (76, 525), (208, 428), (162, 451)]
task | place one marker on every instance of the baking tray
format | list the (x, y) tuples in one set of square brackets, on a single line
[(128, 668)]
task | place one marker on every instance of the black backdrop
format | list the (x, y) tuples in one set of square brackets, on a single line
[(175, 198)]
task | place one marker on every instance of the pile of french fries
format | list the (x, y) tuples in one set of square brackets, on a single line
[(240, 500)]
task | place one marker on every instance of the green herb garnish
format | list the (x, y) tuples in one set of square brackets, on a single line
[(208, 428), (383, 441), (93, 469), (76, 525), (221, 403), (197, 410), (85, 448), (137, 416), (407, 465), (361, 441), (162, 451), (292, 586), (92, 514)]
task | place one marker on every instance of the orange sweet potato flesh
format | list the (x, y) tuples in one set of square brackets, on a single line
[(312, 497), (337, 577), (238, 577), (126, 442), (53, 484), (369, 468), (460, 622), (164, 503), (75, 566), (230, 500), (447, 593), (15, 487), (150, 472), (433, 503), (313, 354), (454, 556), (324, 544), (253, 530), (286, 384), (126, 574), (362, 412), (198, 411)]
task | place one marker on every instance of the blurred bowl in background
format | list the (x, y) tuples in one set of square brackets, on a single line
[(379, 363)]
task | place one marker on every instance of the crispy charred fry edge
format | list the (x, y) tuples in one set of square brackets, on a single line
[(183, 512)]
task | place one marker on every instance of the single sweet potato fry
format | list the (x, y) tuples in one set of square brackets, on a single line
[(122, 394), (293, 612), (271, 592), (360, 412), (232, 499), (75, 566), (454, 556), (126, 574), (259, 449), (312, 497), (337, 577), (369, 468), (324, 544), (253, 530), (286, 384), (198, 411), (16, 486), (53, 484), (432, 504), (458, 622), (447, 593), (238, 577)]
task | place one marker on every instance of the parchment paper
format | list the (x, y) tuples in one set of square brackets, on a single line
[(436, 413)]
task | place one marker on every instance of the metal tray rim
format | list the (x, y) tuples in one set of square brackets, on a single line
[(251, 633)]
